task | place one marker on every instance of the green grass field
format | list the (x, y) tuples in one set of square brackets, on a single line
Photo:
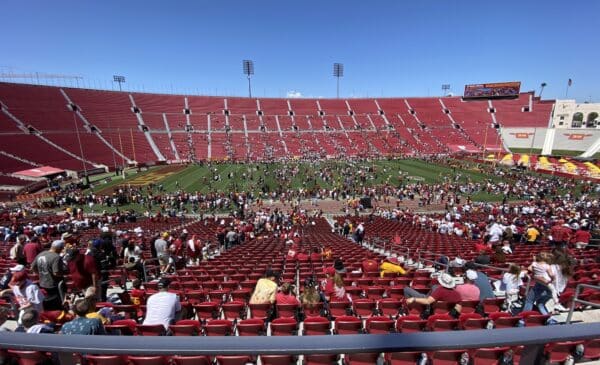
[(257, 177), (261, 177), (200, 178)]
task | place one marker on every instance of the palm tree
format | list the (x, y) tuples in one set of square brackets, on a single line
[(542, 86)]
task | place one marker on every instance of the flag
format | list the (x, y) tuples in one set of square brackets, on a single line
[(570, 82)]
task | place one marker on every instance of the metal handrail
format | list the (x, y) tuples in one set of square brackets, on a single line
[(435, 262), (405, 251), (147, 261), (576, 299), (446, 266), (533, 338)]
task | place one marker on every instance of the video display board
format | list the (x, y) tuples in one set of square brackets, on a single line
[(492, 90)]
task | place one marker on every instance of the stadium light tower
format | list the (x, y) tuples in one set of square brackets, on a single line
[(119, 79), (338, 71), (542, 86), (248, 66), (445, 88)]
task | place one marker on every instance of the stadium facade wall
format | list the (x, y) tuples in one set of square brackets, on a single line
[(569, 114), (578, 139), (575, 139), (524, 137)]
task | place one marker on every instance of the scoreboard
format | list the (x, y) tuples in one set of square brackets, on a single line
[(492, 90)]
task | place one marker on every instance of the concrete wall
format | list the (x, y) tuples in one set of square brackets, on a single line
[(524, 137), (578, 139), (575, 139), (565, 110)]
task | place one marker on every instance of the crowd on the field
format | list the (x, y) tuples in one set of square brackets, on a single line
[(348, 184)]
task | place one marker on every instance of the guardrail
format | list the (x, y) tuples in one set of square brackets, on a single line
[(145, 266), (433, 261), (576, 299), (532, 338)]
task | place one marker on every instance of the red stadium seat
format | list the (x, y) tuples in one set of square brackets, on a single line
[(150, 330), (489, 356), (29, 357), (218, 327), (284, 327), (277, 359), (234, 360), (316, 326), (251, 327), (403, 358), (106, 359), (345, 325), (148, 360), (380, 325), (186, 327), (124, 327), (190, 360), (261, 311)]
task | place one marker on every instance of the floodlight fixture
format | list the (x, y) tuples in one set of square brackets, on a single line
[(445, 88), (119, 79), (338, 71), (248, 66)]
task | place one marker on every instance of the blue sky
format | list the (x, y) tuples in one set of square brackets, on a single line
[(388, 48)]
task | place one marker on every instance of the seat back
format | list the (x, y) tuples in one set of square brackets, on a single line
[(148, 360), (105, 360), (347, 325), (251, 327), (29, 357), (287, 310), (316, 326), (380, 325), (150, 330), (190, 360), (284, 327), (261, 311), (404, 358), (218, 327)]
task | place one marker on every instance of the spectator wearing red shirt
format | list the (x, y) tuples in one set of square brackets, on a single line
[(315, 256), (302, 256), (82, 268), (285, 295), (582, 237), (327, 283), (481, 247), (445, 292), (560, 233), (31, 250)]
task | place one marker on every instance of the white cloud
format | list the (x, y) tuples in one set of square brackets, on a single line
[(294, 94)]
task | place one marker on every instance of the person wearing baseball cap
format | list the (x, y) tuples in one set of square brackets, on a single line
[(50, 269), (164, 307), (468, 290), (26, 293)]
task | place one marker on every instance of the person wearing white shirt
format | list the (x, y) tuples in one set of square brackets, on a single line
[(495, 233), (163, 307)]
